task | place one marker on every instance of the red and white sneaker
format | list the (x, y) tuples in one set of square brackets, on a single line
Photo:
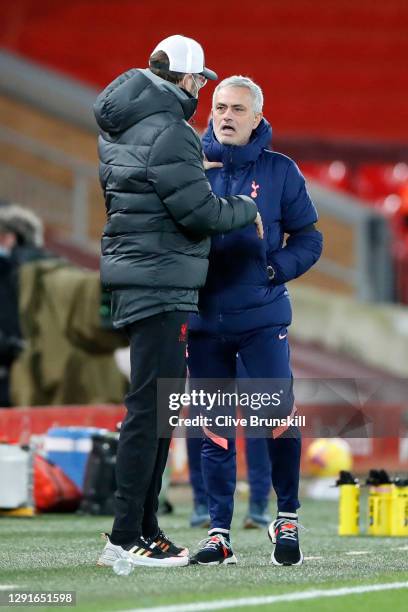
[(215, 550), (284, 533)]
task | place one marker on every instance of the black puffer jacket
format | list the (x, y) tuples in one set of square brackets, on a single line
[(160, 206)]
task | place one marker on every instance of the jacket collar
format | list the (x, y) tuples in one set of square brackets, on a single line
[(235, 156), (187, 102)]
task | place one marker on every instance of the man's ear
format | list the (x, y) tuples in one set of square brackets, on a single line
[(257, 120), (183, 83)]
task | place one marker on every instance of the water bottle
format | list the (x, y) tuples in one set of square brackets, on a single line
[(123, 567), (379, 503), (399, 508), (349, 504)]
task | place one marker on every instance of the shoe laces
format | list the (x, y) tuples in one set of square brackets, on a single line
[(288, 528), (160, 541), (213, 541), (162, 536), (147, 542)]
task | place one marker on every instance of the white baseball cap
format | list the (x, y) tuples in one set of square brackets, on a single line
[(185, 55)]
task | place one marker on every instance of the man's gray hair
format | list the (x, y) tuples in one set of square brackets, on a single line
[(241, 81)]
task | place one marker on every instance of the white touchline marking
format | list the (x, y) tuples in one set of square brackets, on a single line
[(7, 587), (271, 599), (401, 548), (312, 558), (358, 552)]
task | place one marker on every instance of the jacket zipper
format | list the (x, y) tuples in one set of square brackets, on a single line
[(227, 193)]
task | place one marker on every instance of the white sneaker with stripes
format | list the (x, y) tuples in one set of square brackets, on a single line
[(139, 552)]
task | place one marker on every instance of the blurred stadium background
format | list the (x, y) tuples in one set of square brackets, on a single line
[(336, 93)]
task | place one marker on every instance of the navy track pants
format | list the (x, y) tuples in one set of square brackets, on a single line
[(264, 354)]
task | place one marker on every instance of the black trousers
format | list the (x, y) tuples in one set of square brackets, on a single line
[(157, 350)]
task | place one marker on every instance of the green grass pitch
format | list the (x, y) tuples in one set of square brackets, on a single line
[(58, 553)]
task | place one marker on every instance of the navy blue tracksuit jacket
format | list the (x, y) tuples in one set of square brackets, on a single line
[(238, 295), (243, 311)]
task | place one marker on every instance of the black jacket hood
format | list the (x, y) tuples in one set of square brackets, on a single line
[(136, 94)]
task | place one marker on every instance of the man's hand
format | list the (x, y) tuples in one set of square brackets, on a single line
[(209, 165), (259, 226)]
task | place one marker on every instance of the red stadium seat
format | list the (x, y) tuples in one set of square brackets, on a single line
[(334, 174), (377, 181)]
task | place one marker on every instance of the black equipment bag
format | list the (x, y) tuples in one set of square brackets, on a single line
[(100, 483)]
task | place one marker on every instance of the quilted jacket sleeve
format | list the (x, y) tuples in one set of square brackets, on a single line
[(176, 171), (304, 243)]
